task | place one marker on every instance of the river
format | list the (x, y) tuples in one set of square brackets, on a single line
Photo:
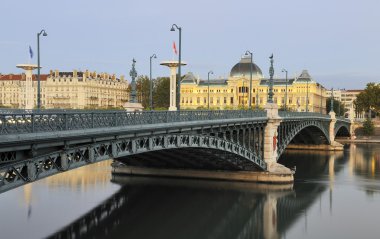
[(335, 195)]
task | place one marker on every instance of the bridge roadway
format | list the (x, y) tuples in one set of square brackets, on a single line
[(37, 144)]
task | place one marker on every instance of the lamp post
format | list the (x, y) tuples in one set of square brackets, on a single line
[(307, 95), (321, 100), (286, 86), (43, 32), (332, 100), (271, 73), (208, 89), (151, 82), (179, 65), (250, 81), (243, 95)]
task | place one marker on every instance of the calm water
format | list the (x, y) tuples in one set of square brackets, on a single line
[(336, 195)]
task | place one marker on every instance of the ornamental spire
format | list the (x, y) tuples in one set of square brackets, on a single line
[(133, 74), (271, 73)]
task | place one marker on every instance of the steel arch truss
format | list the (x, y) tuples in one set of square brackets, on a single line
[(341, 123), (289, 128), (17, 174)]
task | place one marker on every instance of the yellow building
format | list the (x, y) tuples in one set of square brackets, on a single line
[(233, 93), (74, 90)]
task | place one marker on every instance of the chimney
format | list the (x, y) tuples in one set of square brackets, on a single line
[(56, 73), (75, 73), (122, 77)]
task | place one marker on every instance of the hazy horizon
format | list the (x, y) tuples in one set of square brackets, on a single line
[(336, 41)]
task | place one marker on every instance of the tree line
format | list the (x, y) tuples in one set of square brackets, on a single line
[(161, 87)]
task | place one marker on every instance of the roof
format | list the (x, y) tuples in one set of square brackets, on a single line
[(21, 77), (243, 68), (279, 81)]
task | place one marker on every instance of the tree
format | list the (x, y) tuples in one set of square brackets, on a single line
[(142, 91), (368, 127), (338, 107), (369, 99), (161, 94)]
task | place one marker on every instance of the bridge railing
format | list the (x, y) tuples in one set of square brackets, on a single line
[(48, 121), (291, 114)]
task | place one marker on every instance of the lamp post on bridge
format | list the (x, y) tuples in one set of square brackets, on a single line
[(250, 81), (332, 100), (286, 87), (151, 82), (307, 95), (271, 73), (208, 89), (179, 65), (43, 32)]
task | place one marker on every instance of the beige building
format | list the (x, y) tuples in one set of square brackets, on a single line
[(74, 90), (233, 92), (347, 97)]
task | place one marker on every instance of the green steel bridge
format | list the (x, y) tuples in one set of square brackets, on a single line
[(37, 144)]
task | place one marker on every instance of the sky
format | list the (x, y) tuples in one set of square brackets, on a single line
[(337, 41)]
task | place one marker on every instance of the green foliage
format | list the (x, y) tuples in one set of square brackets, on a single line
[(161, 97), (142, 90), (338, 107), (368, 99), (368, 127)]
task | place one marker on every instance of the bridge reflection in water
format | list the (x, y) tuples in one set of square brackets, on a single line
[(164, 208)]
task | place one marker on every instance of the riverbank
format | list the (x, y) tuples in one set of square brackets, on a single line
[(243, 176), (360, 139)]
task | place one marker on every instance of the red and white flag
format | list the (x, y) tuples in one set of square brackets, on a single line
[(174, 48)]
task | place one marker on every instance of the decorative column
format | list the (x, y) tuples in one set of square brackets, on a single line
[(173, 65), (133, 105), (270, 134), (352, 123), (332, 127), (133, 74), (29, 90)]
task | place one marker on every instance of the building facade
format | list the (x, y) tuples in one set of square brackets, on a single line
[(69, 90), (233, 93), (347, 97)]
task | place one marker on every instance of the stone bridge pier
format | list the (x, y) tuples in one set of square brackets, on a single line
[(270, 141)]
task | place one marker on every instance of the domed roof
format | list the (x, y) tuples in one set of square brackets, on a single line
[(243, 69)]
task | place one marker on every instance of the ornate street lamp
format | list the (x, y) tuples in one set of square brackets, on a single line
[(208, 89), (321, 100), (332, 100), (250, 81), (307, 95), (271, 73), (286, 87), (151, 82), (179, 65), (43, 32)]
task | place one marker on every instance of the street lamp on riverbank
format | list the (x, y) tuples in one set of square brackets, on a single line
[(43, 32), (250, 81), (151, 82), (208, 89), (286, 86), (179, 65)]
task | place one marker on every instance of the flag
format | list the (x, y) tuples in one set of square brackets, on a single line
[(30, 52), (174, 48)]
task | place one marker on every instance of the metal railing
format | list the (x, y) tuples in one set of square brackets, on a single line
[(22, 121), (292, 114)]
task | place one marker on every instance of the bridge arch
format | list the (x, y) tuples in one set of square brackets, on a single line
[(42, 166), (297, 131), (342, 131)]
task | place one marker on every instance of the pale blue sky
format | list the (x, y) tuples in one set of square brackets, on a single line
[(336, 40)]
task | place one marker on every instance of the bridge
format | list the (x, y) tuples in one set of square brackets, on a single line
[(37, 144)]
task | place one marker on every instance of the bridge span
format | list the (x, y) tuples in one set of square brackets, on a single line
[(37, 144)]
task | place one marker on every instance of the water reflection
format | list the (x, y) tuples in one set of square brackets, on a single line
[(333, 190), (164, 208)]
